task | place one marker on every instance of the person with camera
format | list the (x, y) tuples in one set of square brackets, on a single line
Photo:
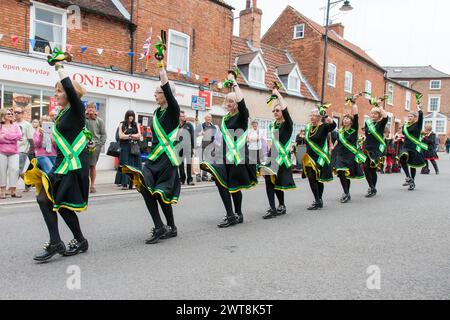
[(45, 146)]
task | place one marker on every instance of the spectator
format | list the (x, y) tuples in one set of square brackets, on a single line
[(299, 149), (208, 133), (53, 114), (26, 142), (128, 134), (96, 126), (10, 135), (447, 144), (254, 137), (186, 140), (45, 147), (429, 138), (36, 124)]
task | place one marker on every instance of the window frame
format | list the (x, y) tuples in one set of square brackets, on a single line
[(328, 73), (295, 31), (390, 92), (440, 84), (56, 10), (351, 82), (438, 106), (186, 36), (367, 96), (404, 83), (408, 99), (257, 60), (295, 73)]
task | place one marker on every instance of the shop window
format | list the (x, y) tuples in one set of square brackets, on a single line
[(28, 99)]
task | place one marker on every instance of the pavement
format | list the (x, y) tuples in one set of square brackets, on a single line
[(393, 246)]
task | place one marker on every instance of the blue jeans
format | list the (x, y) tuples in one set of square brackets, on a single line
[(46, 163)]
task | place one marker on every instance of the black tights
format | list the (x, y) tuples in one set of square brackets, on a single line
[(344, 182), (226, 199), (271, 192), (152, 205), (316, 186), (405, 168), (435, 166), (51, 219), (371, 174)]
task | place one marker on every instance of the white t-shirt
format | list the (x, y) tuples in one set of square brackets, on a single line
[(27, 134), (254, 139)]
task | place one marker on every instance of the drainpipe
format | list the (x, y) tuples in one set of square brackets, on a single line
[(132, 27)]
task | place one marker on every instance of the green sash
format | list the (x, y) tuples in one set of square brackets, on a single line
[(419, 144), (165, 144), (375, 133), (233, 147), (321, 152), (283, 151), (70, 152), (359, 156)]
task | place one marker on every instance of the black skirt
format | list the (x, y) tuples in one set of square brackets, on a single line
[(430, 154), (414, 159), (348, 164), (70, 191), (232, 177), (376, 157), (159, 177), (282, 179), (323, 173)]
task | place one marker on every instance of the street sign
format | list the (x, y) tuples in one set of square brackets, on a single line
[(198, 103)]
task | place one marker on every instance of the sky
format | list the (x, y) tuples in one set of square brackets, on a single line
[(393, 32)]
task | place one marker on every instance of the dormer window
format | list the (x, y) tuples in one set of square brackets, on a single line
[(294, 83), (290, 76), (257, 73)]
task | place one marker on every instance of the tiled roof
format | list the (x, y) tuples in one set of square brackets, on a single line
[(285, 69), (246, 58), (273, 57), (336, 38), (223, 3), (426, 72), (102, 7)]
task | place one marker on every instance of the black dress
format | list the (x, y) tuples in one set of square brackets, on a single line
[(70, 190), (414, 158), (430, 140), (230, 176), (372, 145), (281, 176), (160, 177), (126, 158), (323, 172), (345, 159)]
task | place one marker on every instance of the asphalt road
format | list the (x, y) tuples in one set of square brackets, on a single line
[(397, 242)]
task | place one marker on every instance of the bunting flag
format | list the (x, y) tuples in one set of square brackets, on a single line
[(205, 80), (220, 85), (1, 36), (188, 74), (100, 51), (213, 82), (178, 70), (130, 54), (32, 43), (83, 49), (14, 40), (197, 77), (142, 56)]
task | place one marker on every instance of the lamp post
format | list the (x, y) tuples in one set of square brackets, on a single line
[(345, 7)]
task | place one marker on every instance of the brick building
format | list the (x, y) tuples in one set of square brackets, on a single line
[(107, 44), (350, 70), (260, 65), (435, 86)]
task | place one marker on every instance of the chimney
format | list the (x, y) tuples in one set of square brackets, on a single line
[(250, 23), (338, 28)]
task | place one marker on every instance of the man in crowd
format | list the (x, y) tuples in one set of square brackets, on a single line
[(186, 139), (208, 132), (96, 126), (26, 143)]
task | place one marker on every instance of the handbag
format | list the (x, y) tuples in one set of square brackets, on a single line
[(135, 148), (113, 149)]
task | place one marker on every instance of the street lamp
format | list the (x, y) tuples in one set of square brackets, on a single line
[(345, 7)]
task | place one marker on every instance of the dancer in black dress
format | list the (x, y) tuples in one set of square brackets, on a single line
[(374, 146), (233, 172), (65, 189), (316, 161), (429, 138), (159, 182), (411, 156), (348, 157), (278, 171)]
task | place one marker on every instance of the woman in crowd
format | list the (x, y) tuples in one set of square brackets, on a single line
[(374, 146), (45, 147), (234, 173), (278, 171), (159, 181), (129, 135), (316, 161), (348, 157), (65, 189), (254, 140), (430, 154), (411, 156), (10, 134)]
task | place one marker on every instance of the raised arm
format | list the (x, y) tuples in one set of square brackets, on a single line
[(419, 110), (283, 104), (75, 102), (172, 103)]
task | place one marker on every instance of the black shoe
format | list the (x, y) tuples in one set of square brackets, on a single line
[(412, 185), (228, 221), (270, 214), (371, 193), (156, 235), (75, 247), (345, 198), (320, 204), (281, 210), (190, 183), (240, 217), (205, 179), (50, 250), (171, 233), (315, 206), (407, 182), (182, 182)]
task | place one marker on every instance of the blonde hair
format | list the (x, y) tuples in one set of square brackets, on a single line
[(79, 89), (45, 118), (349, 116), (429, 127), (2, 115), (376, 110)]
